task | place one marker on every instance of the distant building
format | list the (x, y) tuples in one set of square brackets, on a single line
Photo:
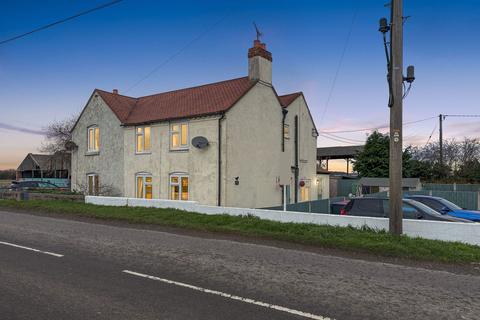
[(374, 185), (45, 166), (346, 153), (231, 143)]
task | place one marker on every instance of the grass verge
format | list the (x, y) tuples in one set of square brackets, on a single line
[(367, 241)]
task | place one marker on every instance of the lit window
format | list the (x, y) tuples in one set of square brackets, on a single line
[(93, 143), (304, 193), (286, 131), (143, 139), (305, 190), (144, 186), (179, 136), (92, 184), (179, 187)]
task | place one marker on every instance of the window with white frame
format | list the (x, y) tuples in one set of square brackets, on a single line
[(142, 140), (179, 135), (286, 131), (144, 186), (93, 139), (179, 186), (92, 184)]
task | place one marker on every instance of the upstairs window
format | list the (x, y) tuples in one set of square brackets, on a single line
[(286, 131), (93, 139), (179, 187), (142, 140), (179, 136), (144, 186), (92, 184)]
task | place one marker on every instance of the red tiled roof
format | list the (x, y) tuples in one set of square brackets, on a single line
[(285, 100), (120, 105), (190, 102)]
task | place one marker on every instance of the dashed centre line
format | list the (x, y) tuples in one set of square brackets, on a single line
[(230, 296), (31, 249)]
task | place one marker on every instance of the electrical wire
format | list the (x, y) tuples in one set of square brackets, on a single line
[(108, 4), (338, 140), (339, 66), (346, 139), (462, 115), (406, 90), (431, 134), (389, 71), (174, 55), (379, 127)]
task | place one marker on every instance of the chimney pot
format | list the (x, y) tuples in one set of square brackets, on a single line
[(115, 91)]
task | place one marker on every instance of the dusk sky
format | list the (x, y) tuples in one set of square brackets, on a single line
[(49, 75)]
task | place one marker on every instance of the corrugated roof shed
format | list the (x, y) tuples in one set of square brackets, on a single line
[(385, 182), (338, 152)]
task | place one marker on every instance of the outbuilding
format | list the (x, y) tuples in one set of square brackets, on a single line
[(42, 166)]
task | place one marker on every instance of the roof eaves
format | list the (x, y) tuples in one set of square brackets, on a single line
[(129, 124), (296, 94)]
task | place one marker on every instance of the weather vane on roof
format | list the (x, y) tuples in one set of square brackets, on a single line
[(259, 34)]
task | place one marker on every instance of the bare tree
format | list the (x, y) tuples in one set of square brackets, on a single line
[(460, 158), (470, 150), (57, 134), (101, 190)]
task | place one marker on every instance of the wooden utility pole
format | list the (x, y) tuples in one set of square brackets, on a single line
[(440, 139), (396, 136)]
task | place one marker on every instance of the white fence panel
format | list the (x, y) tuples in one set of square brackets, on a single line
[(435, 230), (107, 201)]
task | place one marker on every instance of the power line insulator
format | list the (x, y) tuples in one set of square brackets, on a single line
[(410, 74), (384, 27)]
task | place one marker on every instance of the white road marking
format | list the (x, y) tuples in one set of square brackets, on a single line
[(31, 249), (233, 297)]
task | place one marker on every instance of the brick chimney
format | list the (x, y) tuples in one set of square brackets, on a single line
[(115, 91), (259, 63)]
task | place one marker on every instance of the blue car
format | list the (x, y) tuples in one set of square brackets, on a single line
[(446, 207)]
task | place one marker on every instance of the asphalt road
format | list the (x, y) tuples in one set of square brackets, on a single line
[(80, 273)]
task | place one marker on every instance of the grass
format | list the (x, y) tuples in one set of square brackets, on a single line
[(359, 240), (55, 191)]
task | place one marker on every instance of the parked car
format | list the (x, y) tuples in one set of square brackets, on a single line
[(446, 207), (379, 207), (29, 185)]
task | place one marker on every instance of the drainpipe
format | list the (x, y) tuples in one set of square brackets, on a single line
[(219, 200), (296, 159), (284, 113)]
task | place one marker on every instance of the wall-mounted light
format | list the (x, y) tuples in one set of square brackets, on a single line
[(237, 182)]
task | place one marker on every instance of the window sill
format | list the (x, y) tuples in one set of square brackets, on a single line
[(179, 150), (92, 153), (140, 153)]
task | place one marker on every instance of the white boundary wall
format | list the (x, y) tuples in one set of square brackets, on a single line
[(436, 230)]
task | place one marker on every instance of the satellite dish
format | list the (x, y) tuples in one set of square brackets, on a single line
[(200, 142)]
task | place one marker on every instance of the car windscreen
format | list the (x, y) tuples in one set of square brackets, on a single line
[(422, 207), (449, 205)]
